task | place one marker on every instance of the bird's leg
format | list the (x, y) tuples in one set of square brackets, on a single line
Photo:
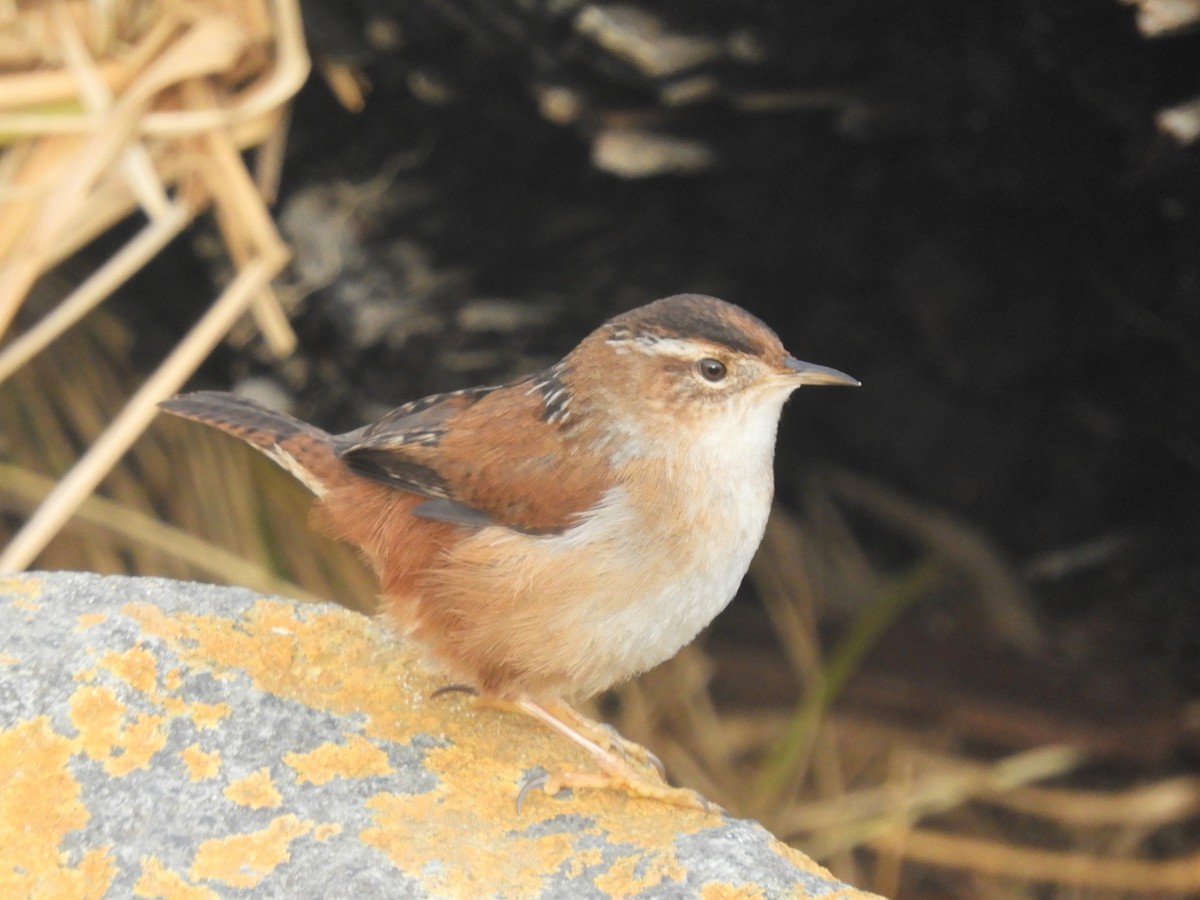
[(605, 735), (600, 741), (616, 772)]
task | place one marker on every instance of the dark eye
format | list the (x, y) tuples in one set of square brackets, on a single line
[(711, 369)]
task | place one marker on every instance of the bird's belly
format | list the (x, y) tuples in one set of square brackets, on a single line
[(573, 614), (643, 623), (671, 582)]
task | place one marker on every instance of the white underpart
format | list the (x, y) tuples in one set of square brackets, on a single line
[(671, 576)]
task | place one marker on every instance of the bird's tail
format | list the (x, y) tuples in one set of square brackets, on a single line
[(304, 450)]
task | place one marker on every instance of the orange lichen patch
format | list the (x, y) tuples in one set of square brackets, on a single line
[(638, 872), (20, 586), (137, 744), (136, 666), (34, 779), (89, 620), (99, 717), (720, 891), (415, 832), (327, 831), (332, 660), (102, 719), (89, 880), (255, 791), (157, 881), (158, 622), (200, 763), (39, 806), (7, 659), (244, 860), (96, 714), (173, 707), (800, 861), (26, 604), (640, 822), (96, 872), (583, 860), (342, 663), (173, 679), (357, 758), (207, 716)]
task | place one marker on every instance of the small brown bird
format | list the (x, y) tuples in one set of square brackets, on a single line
[(553, 536)]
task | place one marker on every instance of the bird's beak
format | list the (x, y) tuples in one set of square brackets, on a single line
[(810, 373)]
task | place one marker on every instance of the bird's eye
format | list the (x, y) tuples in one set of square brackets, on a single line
[(711, 369)]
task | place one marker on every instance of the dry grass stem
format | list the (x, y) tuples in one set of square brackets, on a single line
[(92, 292), (196, 481), (138, 528), (1001, 589), (1154, 805), (141, 409), (908, 794), (114, 110), (1180, 877), (856, 816)]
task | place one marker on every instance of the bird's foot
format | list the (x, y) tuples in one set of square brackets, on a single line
[(629, 782), (616, 773), (604, 735), (607, 737)]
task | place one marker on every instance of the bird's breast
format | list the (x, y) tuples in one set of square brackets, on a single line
[(633, 580), (664, 554)]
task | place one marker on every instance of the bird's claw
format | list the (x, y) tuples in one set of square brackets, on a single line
[(456, 688), (539, 780)]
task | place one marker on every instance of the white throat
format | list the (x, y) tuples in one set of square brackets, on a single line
[(712, 512)]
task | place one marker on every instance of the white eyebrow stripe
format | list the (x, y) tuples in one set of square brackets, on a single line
[(675, 347)]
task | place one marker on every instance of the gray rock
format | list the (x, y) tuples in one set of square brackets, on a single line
[(160, 738)]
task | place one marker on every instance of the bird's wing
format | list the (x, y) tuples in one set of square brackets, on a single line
[(485, 456)]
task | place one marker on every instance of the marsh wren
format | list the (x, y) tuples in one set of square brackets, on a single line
[(553, 536)]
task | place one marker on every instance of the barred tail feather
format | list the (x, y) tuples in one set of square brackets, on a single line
[(304, 450)]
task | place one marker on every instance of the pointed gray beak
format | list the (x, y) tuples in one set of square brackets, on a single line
[(810, 373)]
